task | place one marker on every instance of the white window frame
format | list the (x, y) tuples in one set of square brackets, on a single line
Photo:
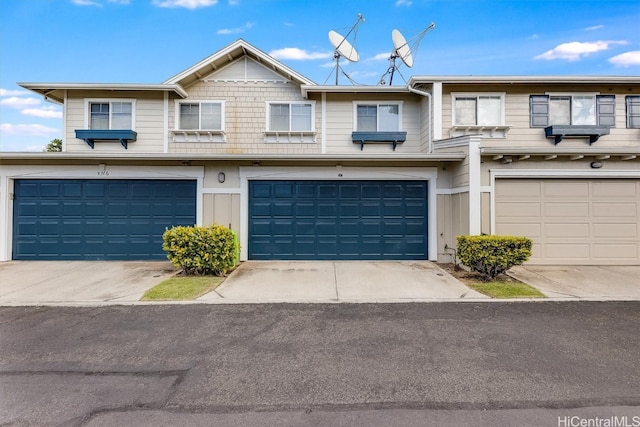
[(628, 113), (455, 95), (268, 105), (356, 104), (177, 121), (571, 95), (110, 101)]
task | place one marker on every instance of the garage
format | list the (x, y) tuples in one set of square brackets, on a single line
[(572, 221), (337, 220), (98, 219)]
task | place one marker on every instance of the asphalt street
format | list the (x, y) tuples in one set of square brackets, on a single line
[(533, 363)]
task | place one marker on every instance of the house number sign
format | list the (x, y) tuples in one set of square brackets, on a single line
[(103, 171)]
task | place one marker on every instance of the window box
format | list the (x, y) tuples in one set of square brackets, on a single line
[(560, 131), (196, 135), (394, 138), (91, 135), (302, 137), (498, 131)]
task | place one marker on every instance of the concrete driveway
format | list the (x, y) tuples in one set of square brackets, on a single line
[(51, 282), (582, 281), (340, 281)]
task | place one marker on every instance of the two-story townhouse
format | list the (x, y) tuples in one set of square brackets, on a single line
[(303, 171)]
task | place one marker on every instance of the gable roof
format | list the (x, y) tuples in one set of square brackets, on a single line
[(225, 56)]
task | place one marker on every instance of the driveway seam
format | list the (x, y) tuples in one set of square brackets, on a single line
[(335, 280)]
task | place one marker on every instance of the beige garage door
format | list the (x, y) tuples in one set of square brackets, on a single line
[(573, 221)]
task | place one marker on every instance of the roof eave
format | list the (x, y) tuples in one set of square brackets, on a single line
[(415, 80), (47, 90)]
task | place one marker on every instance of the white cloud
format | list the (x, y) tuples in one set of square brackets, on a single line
[(299, 54), (86, 3), (188, 4), (16, 102), (233, 2), (626, 59), (404, 2), (595, 27), (45, 112), (573, 51), (236, 30), (7, 92), (27, 130), (381, 56)]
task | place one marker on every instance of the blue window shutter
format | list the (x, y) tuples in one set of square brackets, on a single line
[(606, 110), (539, 108)]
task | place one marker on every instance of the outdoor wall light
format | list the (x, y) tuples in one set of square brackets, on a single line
[(596, 165), (221, 177)]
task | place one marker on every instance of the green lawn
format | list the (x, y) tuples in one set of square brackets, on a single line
[(504, 289), (182, 288)]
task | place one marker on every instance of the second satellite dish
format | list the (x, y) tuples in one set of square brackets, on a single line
[(343, 47), (401, 48)]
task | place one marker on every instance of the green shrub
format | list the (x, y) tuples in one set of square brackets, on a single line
[(492, 255), (201, 250)]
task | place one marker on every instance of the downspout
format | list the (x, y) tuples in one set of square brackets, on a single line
[(428, 95)]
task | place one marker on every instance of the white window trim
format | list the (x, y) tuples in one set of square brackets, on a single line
[(286, 132), (377, 104), (176, 122), (455, 95), (628, 113), (89, 101)]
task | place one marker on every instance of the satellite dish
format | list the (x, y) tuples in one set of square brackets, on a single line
[(401, 48), (343, 47)]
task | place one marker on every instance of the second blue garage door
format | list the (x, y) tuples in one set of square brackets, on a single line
[(338, 220), (98, 219)]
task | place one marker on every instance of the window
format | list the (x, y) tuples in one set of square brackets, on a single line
[(378, 117), (633, 112), (290, 117), (478, 110), (572, 110), (200, 115), (110, 114)]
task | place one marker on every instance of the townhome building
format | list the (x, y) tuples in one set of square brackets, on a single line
[(303, 171)]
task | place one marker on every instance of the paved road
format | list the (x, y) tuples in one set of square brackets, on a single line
[(340, 364)]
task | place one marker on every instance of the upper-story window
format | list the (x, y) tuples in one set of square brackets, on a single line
[(378, 116), (201, 115), (572, 110), (633, 111), (478, 109), (290, 116), (110, 114)]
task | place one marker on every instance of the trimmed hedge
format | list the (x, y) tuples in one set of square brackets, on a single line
[(492, 255), (201, 250)]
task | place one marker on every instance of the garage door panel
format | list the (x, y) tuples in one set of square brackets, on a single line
[(566, 210), (343, 220), (95, 219), (628, 251), (581, 221), (566, 230), (620, 210), (629, 231)]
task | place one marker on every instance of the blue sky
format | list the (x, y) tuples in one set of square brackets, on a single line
[(148, 41)]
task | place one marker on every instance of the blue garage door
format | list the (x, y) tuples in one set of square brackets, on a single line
[(98, 219), (331, 220)]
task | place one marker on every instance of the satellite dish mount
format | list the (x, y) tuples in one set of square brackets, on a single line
[(402, 50), (342, 46)]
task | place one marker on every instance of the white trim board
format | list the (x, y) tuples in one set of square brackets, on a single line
[(339, 173)]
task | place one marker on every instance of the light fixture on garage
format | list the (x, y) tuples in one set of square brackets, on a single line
[(221, 177), (596, 165)]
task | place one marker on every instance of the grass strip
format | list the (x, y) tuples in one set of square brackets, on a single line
[(498, 289), (182, 288)]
